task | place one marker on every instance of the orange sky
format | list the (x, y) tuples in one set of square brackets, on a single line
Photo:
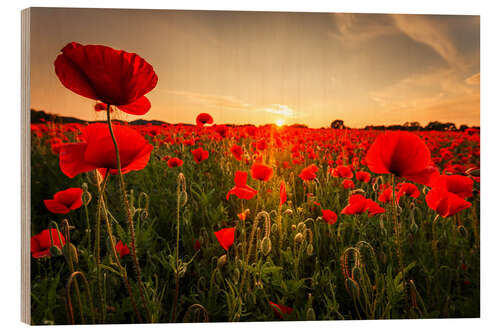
[(264, 67)]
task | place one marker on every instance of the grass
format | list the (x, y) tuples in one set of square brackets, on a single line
[(353, 269)]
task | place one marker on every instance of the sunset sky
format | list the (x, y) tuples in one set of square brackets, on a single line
[(264, 67)]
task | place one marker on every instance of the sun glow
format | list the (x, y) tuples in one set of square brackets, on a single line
[(280, 122)]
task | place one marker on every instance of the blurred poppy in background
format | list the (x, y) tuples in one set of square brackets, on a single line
[(65, 201), (41, 243), (225, 237), (204, 118)]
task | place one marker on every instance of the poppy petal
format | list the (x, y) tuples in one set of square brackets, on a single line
[(56, 207), (73, 78), (117, 77), (138, 107), (72, 159), (240, 178)]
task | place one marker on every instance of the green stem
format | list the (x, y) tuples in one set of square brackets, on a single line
[(398, 236), (102, 307), (123, 271), (129, 214)]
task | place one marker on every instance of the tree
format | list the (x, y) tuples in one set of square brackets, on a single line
[(338, 124)]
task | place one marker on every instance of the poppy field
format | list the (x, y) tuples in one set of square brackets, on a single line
[(211, 222)]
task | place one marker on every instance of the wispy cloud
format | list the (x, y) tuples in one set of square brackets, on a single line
[(473, 79), (355, 28), (440, 95), (280, 109), (212, 101), (232, 103), (432, 31)]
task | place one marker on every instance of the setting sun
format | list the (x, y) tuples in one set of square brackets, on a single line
[(280, 122)]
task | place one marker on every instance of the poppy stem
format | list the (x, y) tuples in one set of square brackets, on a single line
[(129, 213), (177, 266), (123, 272), (97, 250), (398, 236)]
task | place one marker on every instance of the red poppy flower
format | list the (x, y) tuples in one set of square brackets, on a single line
[(408, 189), (101, 107), (225, 237), (262, 144), (403, 154), (197, 245), (237, 152), (358, 204), (174, 162), (41, 243), (280, 310), (445, 203), (342, 171), (108, 75), (309, 173), (385, 195), (98, 151), (65, 201), (204, 118), (363, 176), (243, 215), (199, 155), (221, 129), (122, 249), (282, 193), (241, 189), (55, 145), (347, 183), (261, 172), (329, 216), (460, 185)]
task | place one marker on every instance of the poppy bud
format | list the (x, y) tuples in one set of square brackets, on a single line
[(356, 273), (55, 251), (201, 284), (310, 250), (299, 238), (274, 228), (69, 251), (183, 198), (236, 275), (414, 228), (463, 231), (221, 261), (288, 212), (301, 227), (413, 294), (86, 196), (310, 314), (352, 288), (266, 246), (144, 213), (294, 227)]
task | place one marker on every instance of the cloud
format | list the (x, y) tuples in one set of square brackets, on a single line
[(473, 79), (212, 101), (280, 109), (432, 31), (231, 103), (355, 28), (440, 95)]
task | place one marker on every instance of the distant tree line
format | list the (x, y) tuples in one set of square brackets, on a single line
[(409, 126)]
